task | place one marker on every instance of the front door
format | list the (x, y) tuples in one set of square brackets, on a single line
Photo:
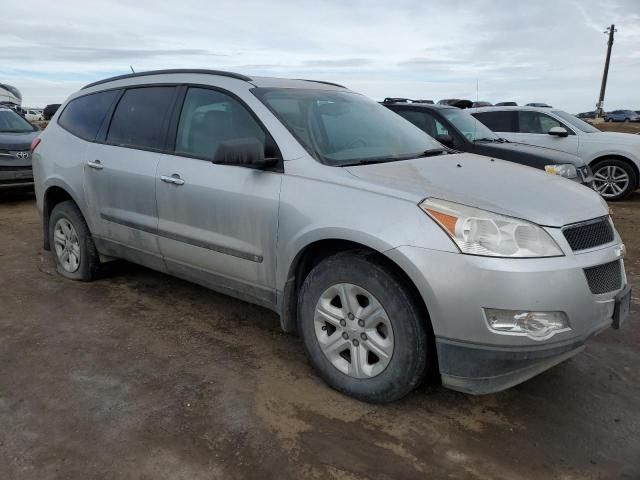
[(533, 129), (218, 224)]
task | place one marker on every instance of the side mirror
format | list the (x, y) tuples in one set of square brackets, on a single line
[(243, 152), (446, 140), (558, 131)]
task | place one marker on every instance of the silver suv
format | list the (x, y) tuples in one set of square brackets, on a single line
[(391, 255)]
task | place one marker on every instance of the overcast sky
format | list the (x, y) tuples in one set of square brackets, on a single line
[(548, 51)]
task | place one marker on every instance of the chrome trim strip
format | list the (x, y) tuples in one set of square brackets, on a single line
[(181, 238)]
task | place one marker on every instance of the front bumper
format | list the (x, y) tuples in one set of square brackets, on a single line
[(17, 177), (456, 288)]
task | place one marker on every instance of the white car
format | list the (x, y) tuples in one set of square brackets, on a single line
[(33, 115), (613, 157)]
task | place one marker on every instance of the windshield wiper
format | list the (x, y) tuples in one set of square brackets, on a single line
[(369, 161), (486, 140), (432, 153)]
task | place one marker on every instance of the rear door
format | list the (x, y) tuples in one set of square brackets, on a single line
[(217, 223), (121, 171)]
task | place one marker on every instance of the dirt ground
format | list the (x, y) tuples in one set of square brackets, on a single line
[(142, 376), (619, 127)]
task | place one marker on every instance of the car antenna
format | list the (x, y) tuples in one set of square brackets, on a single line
[(132, 70), (477, 100)]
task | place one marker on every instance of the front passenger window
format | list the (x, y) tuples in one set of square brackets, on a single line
[(209, 118), (536, 122)]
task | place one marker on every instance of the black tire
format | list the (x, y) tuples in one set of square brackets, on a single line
[(614, 162), (89, 262), (626, 120), (408, 364)]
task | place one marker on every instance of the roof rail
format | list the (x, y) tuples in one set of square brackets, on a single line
[(322, 81), (175, 70), (396, 100), (405, 100)]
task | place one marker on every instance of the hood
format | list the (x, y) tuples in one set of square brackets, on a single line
[(494, 185), (612, 138), (548, 154), (17, 141)]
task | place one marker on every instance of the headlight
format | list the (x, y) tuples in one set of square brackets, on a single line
[(565, 170), (478, 232)]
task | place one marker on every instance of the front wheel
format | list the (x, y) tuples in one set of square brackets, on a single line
[(614, 179), (362, 328)]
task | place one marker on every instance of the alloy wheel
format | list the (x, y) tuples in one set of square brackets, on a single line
[(610, 180), (67, 245), (354, 331)]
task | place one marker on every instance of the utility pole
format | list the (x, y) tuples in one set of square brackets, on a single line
[(600, 106)]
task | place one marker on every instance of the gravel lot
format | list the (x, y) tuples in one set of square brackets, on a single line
[(143, 376)]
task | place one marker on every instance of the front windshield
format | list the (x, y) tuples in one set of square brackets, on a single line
[(11, 122), (340, 128), (576, 122), (467, 125)]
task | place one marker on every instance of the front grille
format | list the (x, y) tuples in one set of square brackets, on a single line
[(589, 234), (15, 154), (17, 168), (604, 278)]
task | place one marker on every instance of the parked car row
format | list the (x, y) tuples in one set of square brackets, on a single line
[(461, 103), (393, 255)]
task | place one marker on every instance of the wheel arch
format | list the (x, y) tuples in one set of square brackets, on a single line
[(622, 158), (55, 193), (315, 252)]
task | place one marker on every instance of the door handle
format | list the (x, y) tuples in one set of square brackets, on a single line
[(173, 179), (97, 164)]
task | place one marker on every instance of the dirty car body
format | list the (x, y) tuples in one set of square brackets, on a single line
[(345, 203)]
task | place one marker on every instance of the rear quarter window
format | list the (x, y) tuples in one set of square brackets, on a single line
[(505, 121), (83, 116)]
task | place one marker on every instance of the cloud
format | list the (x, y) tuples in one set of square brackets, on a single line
[(528, 51)]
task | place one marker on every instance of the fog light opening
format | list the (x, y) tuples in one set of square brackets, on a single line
[(535, 325)]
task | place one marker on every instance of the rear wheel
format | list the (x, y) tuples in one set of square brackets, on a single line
[(614, 179), (73, 248), (362, 329)]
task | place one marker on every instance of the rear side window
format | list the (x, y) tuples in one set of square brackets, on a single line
[(139, 118), (84, 115), (209, 118), (499, 121)]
